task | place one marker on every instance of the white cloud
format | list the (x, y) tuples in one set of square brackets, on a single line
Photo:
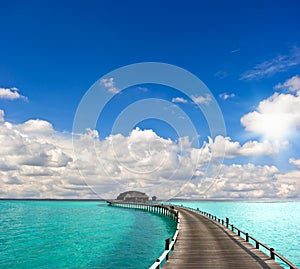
[(255, 148), (1, 115), (32, 127), (295, 162), (221, 145), (226, 96), (270, 67), (206, 100), (37, 161), (11, 94), (179, 100), (292, 84), (276, 117), (110, 85), (288, 184), (247, 181)]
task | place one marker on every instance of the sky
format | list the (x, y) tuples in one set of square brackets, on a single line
[(197, 99)]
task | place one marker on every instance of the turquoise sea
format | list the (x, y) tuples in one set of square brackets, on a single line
[(40, 234), (48, 234)]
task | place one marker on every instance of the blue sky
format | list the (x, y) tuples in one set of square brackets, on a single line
[(245, 52)]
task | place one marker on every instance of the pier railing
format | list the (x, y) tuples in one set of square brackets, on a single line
[(166, 210), (168, 250), (244, 235)]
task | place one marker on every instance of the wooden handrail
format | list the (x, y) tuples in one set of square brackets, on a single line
[(258, 243)]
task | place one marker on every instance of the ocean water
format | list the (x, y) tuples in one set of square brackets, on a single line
[(277, 224), (41, 234)]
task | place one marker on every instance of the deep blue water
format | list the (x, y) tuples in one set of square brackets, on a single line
[(40, 234)]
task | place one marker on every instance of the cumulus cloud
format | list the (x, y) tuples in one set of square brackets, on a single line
[(37, 126), (238, 181), (288, 184), (275, 117), (224, 147), (37, 161), (295, 162), (275, 65), (292, 84), (199, 99), (11, 94), (110, 85), (179, 100), (1, 115), (226, 96)]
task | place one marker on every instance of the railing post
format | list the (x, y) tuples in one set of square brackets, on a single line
[(227, 222), (247, 237), (272, 255), (167, 247), (256, 244), (158, 266)]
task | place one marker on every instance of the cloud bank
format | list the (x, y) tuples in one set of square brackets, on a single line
[(36, 161)]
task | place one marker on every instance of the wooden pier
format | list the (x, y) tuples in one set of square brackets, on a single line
[(151, 207), (205, 241)]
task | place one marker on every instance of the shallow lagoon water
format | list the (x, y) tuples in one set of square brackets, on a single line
[(41, 234)]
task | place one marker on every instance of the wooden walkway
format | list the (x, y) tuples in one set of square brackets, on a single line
[(203, 243)]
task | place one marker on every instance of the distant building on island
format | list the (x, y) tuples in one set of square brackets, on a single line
[(133, 196)]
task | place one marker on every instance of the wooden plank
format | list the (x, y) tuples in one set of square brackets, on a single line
[(203, 243)]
